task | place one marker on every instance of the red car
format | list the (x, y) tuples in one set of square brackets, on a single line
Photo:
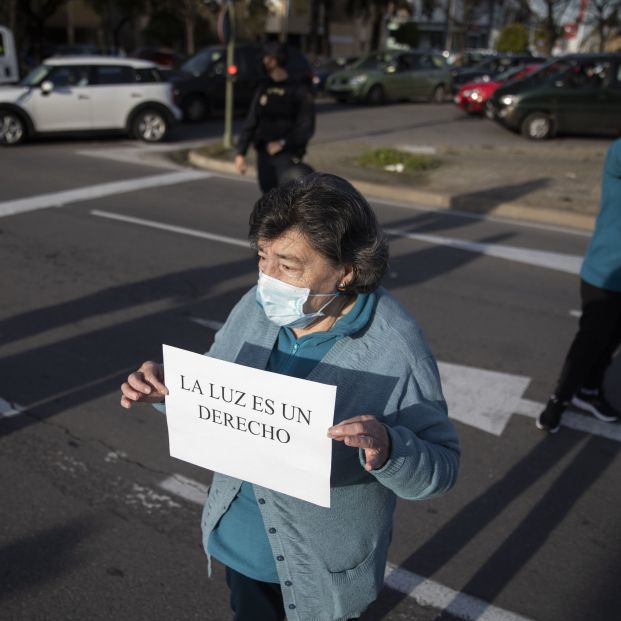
[(473, 95)]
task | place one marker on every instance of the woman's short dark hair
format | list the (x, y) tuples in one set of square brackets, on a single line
[(336, 221)]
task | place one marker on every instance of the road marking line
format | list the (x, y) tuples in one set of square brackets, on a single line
[(7, 410), (207, 323), (483, 399), (171, 228), (58, 199), (425, 592), (429, 593), (541, 258), (185, 488)]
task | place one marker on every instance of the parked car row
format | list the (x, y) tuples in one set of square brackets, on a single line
[(491, 68), (573, 94), (473, 96), (392, 76)]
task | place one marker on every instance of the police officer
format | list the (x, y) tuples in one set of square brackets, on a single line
[(280, 122)]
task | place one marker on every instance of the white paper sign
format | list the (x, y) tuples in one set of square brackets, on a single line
[(261, 427)]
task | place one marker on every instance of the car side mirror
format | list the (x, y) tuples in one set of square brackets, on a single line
[(47, 87)]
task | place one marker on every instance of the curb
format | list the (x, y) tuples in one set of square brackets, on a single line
[(436, 200)]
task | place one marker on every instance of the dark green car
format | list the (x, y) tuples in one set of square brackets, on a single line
[(574, 94), (392, 76)]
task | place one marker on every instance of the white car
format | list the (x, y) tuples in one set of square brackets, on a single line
[(82, 93)]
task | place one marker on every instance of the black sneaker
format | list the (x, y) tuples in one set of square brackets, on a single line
[(550, 419), (595, 403)]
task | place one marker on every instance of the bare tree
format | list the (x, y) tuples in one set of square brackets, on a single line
[(34, 15), (551, 25), (603, 15), (377, 11), (319, 27), (188, 9), (116, 14)]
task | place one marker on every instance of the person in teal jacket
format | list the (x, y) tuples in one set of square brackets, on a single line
[(580, 385), (318, 312)]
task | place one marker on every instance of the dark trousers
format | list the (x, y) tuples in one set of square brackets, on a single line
[(597, 339), (253, 600), (270, 168)]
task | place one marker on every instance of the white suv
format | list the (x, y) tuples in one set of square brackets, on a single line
[(97, 93)]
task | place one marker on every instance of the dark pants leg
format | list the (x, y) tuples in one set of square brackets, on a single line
[(598, 337), (252, 599), (270, 168)]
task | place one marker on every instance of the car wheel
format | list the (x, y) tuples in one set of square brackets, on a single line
[(195, 108), (375, 96), (439, 94), (537, 126), (12, 128), (149, 125)]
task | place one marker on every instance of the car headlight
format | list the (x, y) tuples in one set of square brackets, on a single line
[(508, 100), (358, 79)]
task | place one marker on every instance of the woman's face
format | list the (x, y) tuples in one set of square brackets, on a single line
[(293, 260)]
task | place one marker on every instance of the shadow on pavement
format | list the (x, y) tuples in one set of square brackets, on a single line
[(484, 201), (51, 378), (36, 559), (526, 538), (183, 287), (433, 261)]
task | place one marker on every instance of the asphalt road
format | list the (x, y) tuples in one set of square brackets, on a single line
[(88, 525), (405, 123)]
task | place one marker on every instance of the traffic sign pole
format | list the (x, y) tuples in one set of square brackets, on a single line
[(228, 34)]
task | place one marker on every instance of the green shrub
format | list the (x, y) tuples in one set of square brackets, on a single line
[(513, 38)]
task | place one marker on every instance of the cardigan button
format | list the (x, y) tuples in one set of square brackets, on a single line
[(291, 606), (261, 501), (288, 583), (272, 530), (280, 557)]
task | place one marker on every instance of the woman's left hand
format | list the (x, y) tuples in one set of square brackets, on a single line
[(367, 433)]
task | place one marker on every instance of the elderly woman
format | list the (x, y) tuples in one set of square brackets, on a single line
[(317, 312)]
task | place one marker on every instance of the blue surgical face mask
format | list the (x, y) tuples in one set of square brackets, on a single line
[(283, 304)]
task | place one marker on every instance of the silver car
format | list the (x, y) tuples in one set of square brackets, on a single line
[(88, 94)]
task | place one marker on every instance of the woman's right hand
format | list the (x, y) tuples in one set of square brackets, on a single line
[(146, 385)]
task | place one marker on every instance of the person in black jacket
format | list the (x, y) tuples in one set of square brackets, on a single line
[(280, 122)]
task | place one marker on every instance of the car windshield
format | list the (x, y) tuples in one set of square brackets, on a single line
[(200, 62), (36, 76), (375, 61), (550, 70), (510, 73), (488, 64)]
